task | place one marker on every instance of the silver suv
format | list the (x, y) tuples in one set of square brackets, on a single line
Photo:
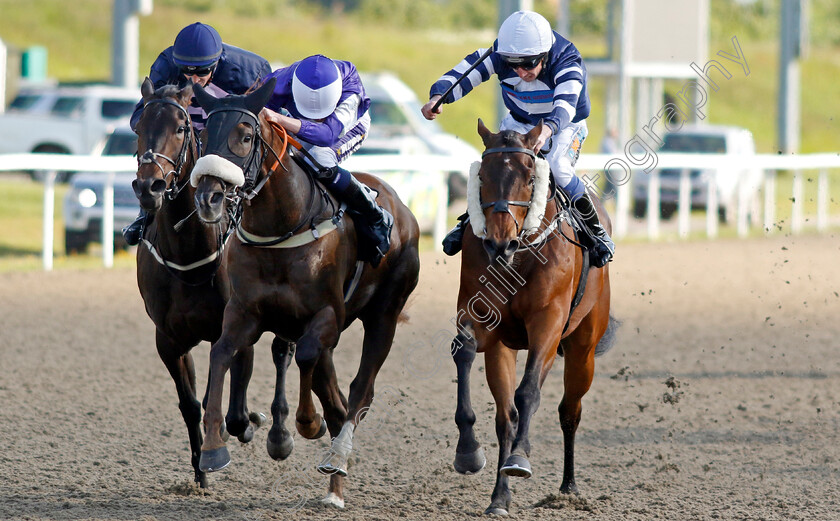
[(83, 208)]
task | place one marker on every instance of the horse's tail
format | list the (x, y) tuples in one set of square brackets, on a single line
[(608, 339)]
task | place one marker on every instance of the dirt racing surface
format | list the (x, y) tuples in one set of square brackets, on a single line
[(720, 400)]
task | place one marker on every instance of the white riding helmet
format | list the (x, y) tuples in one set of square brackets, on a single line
[(316, 87), (525, 33)]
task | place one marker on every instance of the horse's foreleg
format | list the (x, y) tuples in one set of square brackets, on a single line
[(500, 365), (469, 456), (237, 419), (182, 371), (541, 356), (280, 443), (321, 333), (237, 331)]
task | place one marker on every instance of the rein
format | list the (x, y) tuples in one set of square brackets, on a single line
[(317, 231)]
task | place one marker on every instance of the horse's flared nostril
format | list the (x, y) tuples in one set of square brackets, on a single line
[(158, 187), (217, 198), (500, 250)]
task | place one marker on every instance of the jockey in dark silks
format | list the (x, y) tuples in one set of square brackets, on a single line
[(543, 78), (199, 56)]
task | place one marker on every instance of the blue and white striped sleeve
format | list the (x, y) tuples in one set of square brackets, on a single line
[(480, 74), (568, 80)]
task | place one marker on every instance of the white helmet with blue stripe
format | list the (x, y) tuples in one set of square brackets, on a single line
[(525, 33), (316, 87)]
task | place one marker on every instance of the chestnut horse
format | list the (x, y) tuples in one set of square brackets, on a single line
[(180, 268), (519, 277), (294, 272)]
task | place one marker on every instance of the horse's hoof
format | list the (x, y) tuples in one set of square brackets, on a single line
[(329, 468), (302, 430), (248, 435), (333, 501), (257, 418), (213, 460), (282, 450), (495, 511), (569, 488), (333, 463), (201, 479), (470, 463), (516, 466), (322, 430)]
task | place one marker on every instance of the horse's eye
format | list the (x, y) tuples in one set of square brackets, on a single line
[(182, 129), (247, 139)]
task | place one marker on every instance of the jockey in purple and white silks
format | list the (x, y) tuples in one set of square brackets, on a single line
[(542, 77), (323, 102)]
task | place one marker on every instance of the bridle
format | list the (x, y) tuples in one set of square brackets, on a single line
[(503, 205), (151, 157)]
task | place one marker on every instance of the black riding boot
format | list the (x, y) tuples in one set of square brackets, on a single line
[(603, 247), (454, 239), (376, 221), (134, 231)]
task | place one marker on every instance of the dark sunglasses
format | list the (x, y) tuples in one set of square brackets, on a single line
[(195, 70), (523, 62)]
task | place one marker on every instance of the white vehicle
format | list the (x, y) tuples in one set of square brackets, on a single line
[(702, 139), (83, 205), (398, 127), (63, 120)]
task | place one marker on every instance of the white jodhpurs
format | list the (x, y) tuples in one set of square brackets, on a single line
[(563, 147)]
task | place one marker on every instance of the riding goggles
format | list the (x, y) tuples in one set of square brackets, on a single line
[(196, 70), (523, 62)]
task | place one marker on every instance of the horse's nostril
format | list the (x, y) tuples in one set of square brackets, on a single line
[(512, 246), (216, 198), (158, 186)]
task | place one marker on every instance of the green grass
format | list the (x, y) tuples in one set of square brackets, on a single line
[(21, 222)]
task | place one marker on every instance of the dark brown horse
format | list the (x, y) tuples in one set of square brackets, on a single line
[(519, 277), (180, 267), (294, 272)]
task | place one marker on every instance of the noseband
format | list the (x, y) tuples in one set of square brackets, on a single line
[(151, 157), (503, 205)]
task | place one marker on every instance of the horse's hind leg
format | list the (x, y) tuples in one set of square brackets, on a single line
[(280, 443), (469, 456), (325, 385), (238, 420), (321, 333), (579, 357), (500, 365), (379, 335), (182, 370)]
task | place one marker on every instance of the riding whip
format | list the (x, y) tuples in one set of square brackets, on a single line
[(466, 73)]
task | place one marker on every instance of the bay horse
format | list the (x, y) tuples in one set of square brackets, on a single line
[(294, 271), (520, 275), (181, 271)]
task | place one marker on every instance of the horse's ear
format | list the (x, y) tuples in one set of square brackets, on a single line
[(185, 95), (147, 90), (205, 100), (257, 99), (484, 132), (534, 133)]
